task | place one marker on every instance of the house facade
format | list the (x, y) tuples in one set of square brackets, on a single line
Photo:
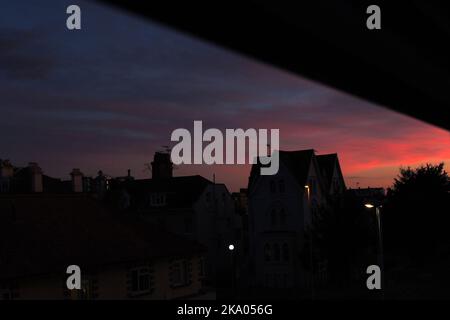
[(120, 257), (281, 209), (190, 206)]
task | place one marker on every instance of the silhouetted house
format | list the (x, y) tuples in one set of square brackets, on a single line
[(31, 179), (241, 206), (119, 256), (191, 206), (281, 208), (331, 173)]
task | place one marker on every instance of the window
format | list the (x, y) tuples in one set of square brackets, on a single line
[(278, 217), (272, 186), (285, 250), (6, 294), (180, 273), (281, 185), (157, 199), (267, 252), (140, 280)]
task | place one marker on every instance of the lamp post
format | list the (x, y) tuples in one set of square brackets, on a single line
[(311, 262), (380, 242), (233, 280)]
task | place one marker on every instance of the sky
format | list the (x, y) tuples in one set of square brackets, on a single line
[(109, 95)]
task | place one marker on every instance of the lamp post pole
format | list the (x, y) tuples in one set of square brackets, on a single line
[(380, 245), (311, 258), (233, 272)]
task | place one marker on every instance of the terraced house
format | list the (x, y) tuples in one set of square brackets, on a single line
[(42, 233)]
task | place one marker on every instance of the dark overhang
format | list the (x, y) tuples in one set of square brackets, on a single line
[(405, 66)]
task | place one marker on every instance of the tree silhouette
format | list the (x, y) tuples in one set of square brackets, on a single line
[(416, 216), (343, 233)]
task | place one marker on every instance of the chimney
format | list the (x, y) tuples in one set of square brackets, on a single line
[(6, 174), (162, 166), (77, 180), (36, 177), (6, 169)]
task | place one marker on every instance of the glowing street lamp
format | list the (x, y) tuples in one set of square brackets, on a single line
[(233, 267), (311, 260), (380, 236)]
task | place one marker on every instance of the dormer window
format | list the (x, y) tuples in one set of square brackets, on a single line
[(157, 199)]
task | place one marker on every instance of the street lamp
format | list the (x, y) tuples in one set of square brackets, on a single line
[(380, 239), (233, 268), (311, 260)]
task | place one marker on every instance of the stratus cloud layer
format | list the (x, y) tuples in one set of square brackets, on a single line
[(110, 95)]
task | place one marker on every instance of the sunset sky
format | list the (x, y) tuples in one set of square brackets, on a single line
[(108, 96)]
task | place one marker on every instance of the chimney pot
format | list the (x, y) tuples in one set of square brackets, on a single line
[(36, 177), (77, 180)]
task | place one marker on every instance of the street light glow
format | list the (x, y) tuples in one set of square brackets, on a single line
[(231, 247), (369, 205)]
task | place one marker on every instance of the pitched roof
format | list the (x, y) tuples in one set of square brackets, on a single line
[(297, 162), (181, 192), (42, 233), (327, 163)]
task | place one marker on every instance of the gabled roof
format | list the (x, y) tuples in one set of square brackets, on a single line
[(181, 192), (298, 163), (43, 234), (327, 163)]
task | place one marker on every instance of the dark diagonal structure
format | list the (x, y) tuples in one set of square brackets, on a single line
[(404, 66)]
